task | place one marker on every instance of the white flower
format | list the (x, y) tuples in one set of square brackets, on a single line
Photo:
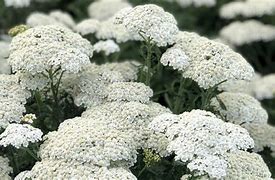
[(108, 47), (108, 30), (5, 169), (129, 91), (245, 165), (87, 26), (151, 21), (17, 3), (63, 18), (264, 87), (38, 49), (240, 33), (24, 175), (12, 100), (263, 135), (211, 62), (239, 108), (20, 135), (199, 138), (40, 19), (176, 58), (196, 3), (247, 8), (62, 169), (4, 54), (104, 9)]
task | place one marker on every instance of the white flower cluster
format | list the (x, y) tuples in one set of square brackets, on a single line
[(56, 17), (239, 108), (12, 100), (240, 33), (264, 87), (108, 30), (212, 62), (5, 169), (20, 135), (245, 165), (49, 47), (195, 3), (247, 8), (176, 58), (4, 54), (107, 47), (104, 9), (17, 3), (263, 135), (202, 140), (92, 83), (103, 143), (61, 169), (87, 26), (150, 21)]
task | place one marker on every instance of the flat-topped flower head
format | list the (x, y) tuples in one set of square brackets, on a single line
[(263, 135), (51, 169), (63, 17), (264, 87), (107, 47), (87, 26), (5, 168), (129, 91), (20, 135), (175, 58), (49, 47), (12, 100), (4, 54), (239, 108), (245, 165), (151, 22), (247, 8), (17, 3), (241, 33), (196, 3), (104, 9), (201, 140), (211, 62)]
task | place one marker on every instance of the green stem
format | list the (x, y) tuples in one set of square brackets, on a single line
[(141, 172), (178, 101), (32, 154), (14, 161), (148, 63)]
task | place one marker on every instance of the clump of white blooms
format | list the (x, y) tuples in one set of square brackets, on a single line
[(4, 54), (175, 58), (63, 18), (263, 135), (108, 30), (20, 135), (13, 98), (195, 3), (55, 17), (129, 91), (17, 3), (240, 33), (5, 169), (239, 108), (202, 140), (28, 118), (49, 47), (211, 62), (245, 165), (91, 87), (87, 26), (150, 21), (24, 175), (104, 9), (264, 88), (107, 47), (62, 169), (247, 8)]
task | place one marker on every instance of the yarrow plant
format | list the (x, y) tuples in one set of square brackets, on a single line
[(127, 94)]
